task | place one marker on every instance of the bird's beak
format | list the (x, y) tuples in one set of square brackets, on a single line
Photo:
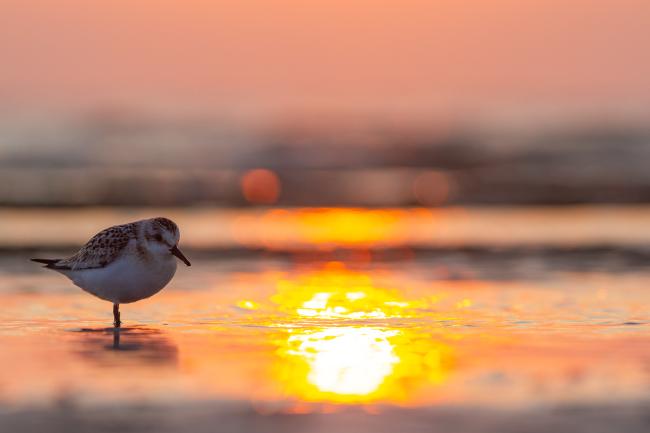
[(175, 251)]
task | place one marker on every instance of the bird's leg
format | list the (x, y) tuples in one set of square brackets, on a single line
[(116, 338), (116, 315)]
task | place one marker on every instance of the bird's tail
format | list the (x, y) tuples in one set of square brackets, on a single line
[(49, 263)]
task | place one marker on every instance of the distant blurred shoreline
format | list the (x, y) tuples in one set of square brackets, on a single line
[(123, 160), (519, 185)]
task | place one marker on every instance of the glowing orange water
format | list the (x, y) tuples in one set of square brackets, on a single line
[(305, 335)]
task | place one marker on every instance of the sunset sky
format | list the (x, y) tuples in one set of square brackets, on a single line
[(278, 56)]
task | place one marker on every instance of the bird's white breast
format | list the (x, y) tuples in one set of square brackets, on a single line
[(129, 278)]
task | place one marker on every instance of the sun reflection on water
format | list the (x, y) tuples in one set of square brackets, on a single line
[(345, 361), (359, 364), (352, 353), (336, 292)]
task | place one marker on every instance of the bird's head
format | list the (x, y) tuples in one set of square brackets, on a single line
[(162, 236)]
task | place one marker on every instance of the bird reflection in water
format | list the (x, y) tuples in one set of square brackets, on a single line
[(113, 346)]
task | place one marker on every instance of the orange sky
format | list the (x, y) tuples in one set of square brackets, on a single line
[(249, 56)]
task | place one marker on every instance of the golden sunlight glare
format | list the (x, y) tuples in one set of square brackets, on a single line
[(336, 292), (348, 360)]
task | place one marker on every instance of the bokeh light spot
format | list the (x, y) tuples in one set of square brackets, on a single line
[(260, 186)]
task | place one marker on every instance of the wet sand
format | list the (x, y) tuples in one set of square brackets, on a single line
[(460, 340)]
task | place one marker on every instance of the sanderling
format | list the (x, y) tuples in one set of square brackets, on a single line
[(124, 263)]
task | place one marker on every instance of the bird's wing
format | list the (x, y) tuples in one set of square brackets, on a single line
[(100, 250)]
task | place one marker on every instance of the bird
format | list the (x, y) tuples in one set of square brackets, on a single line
[(124, 263)]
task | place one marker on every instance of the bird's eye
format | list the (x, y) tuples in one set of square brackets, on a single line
[(158, 237)]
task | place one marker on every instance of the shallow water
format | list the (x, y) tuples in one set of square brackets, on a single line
[(324, 325)]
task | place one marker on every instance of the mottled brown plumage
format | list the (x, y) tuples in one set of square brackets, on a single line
[(107, 245), (101, 249)]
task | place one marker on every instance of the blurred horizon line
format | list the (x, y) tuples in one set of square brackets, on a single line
[(124, 159)]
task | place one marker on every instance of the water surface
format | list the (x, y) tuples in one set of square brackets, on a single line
[(506, 311)]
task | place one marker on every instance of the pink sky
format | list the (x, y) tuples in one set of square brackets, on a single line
[(282, 55)]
